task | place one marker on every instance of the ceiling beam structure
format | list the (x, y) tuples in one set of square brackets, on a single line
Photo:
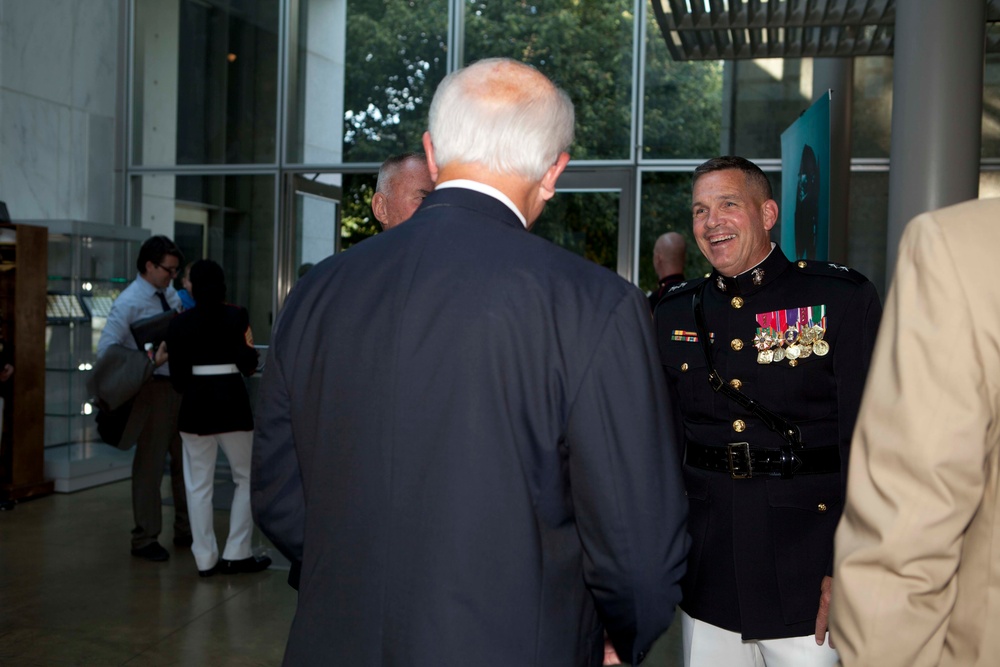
[(746, 29)]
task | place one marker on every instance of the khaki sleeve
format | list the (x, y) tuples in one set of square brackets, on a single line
[(917, 472)]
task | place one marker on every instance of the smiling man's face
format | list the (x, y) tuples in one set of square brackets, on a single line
[(732, 221)]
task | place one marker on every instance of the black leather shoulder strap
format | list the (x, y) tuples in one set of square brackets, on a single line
[(773, 421)]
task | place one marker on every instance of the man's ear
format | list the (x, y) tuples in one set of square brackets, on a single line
[(429, 151), (769, 213), (547, 187), (378, 208)]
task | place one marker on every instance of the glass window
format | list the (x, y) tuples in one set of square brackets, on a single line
[(763, 98), (205, 87), (377, 106), (585, 223), (584, 46), (235, 216), (868, 224), (666, 207), (359, 222), (872, 109), (682, 105)]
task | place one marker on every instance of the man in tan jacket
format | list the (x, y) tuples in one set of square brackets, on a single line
[(917, 551)]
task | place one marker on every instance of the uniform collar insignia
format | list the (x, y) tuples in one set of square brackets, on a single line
[(756, 278)]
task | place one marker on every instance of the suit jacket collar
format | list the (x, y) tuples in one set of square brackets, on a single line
[(477, 202)]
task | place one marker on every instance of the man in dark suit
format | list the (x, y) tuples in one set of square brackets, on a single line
[(460, 432)]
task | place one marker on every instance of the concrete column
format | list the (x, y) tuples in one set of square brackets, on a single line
[(937, 88), (837, 74), (157, 44)]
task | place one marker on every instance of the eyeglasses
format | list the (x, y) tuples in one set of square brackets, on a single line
[(172, 270)]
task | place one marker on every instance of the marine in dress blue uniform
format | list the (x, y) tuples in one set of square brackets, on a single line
[(796, 337)]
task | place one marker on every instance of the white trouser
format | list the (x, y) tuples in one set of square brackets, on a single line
[(707, 645), (200, 452)]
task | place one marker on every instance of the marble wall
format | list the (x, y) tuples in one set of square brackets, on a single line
[(58, 90)]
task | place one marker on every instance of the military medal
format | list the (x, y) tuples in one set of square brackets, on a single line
[(793, 334)]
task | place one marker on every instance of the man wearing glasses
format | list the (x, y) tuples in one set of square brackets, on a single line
[(155, 407)]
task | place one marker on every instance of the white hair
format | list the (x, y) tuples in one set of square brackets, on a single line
[(503, 115)]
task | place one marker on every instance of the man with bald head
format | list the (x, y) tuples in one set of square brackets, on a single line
[(403, 182), (460, 436), (668, 262)]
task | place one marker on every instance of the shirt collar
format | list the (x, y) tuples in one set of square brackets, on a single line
[(147, 286), (488, 190)]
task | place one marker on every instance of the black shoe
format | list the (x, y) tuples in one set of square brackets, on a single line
[(209, 572), (153, 552), (183, 540), (245, 565)]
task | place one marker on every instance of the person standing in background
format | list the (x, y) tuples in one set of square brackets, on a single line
[(157, 403), (211, 349), (669, 253), (187, 301), (403, 183)]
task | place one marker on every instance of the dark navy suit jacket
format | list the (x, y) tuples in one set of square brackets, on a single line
[(463, 435)]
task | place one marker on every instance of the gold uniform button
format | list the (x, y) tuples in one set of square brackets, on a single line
[(737, 302), (821, 507), (737, 344), (739, 426), (684, 367), (802, 264), (735, 384)]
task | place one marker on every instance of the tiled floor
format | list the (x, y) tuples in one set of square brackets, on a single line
[(70, 594)]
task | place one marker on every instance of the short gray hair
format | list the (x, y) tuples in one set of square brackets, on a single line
[(391, 166), (492, 114)]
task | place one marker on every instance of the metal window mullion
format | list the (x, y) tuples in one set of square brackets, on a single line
[(456, 35)]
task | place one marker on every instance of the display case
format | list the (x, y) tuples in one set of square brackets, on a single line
[(89, 264)]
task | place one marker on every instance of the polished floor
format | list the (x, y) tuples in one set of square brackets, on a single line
[(70, 594)]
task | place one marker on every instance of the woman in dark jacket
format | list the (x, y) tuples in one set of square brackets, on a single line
[(210, 350)]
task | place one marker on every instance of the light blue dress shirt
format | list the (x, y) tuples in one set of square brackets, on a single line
[(136, 301)]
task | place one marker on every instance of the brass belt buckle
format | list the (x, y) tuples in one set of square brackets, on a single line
[(740, 469)]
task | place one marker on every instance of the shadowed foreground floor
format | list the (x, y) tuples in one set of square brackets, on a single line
[(70, 594)]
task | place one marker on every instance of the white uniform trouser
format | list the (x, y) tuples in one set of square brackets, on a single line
[(707, 645), (200, 452)]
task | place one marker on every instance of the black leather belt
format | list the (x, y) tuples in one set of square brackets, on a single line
[(742, 461)]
